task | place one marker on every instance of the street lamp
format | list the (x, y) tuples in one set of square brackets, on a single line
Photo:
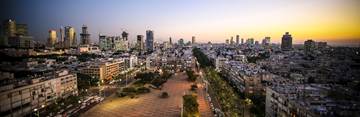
[(37, 112)]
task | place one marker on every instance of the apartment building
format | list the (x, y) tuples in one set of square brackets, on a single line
[(21, 97), (246, 77), (104, 69)]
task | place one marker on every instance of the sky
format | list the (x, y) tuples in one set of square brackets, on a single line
[(334, 21)]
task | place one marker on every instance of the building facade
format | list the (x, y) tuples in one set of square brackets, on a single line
[(140, 46), (84, 36), (22, 97), (70, 37), (149, 40), (52, 38), (286, 42)]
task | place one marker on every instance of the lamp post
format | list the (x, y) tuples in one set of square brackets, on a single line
[(36, 112)]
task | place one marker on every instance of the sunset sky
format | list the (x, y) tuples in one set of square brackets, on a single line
[(334, 21)]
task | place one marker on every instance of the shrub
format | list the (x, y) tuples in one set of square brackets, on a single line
[(121, 94), (129, 89), (131, 95), (142, 90), (164, 95), (194, 87)]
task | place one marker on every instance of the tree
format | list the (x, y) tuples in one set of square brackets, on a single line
[(191, 75), (85, 81), (201, 58), (194, 87), (190, 106)]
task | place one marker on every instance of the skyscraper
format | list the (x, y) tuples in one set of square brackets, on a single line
[(232, 40), (22, 29), (70, 37), (181, 42), (286, 42), (266, 41), (125, 35), (104, 43), (250, 41), (237, 39), (9, 28), (227, 41), (193, 40), (309, 46), (85, 36), (170, 40), (140, 43), (61, 35), (120, 43), (149, 40), (52, 38), (242, 40)]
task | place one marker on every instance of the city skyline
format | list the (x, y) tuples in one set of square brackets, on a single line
[(336, 22)]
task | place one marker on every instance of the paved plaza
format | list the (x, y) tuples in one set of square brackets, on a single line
[(151, 105)]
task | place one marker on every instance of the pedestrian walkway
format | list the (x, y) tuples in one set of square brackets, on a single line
[(151, 105)]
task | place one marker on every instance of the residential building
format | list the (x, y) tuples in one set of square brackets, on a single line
[(104, 69), (20, 96)]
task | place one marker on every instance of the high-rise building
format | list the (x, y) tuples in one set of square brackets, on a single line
[(237, 39), (309, 46), (232, 40), (227, 41), (85, 36), (170, 41), (242, 40), (125, 35), (321, 45), (266, 41), (286, 42), (193, 40), (149, 40), (22, 29), (250, 41), (70, 37), (120, 44), (140, 43), (61, 40), (181, 42), (104, 42), (9, 28), (52, 38), (21, 41)]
